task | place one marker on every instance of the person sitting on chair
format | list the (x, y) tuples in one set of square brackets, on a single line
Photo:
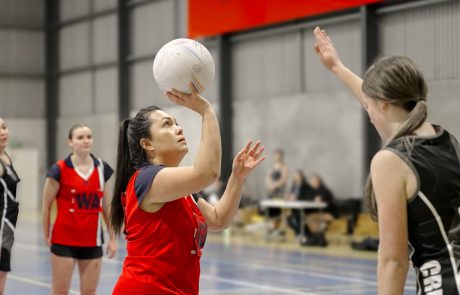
[(300, 191), (318, 221)]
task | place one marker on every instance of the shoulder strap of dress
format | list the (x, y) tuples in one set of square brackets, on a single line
[(100, 170), (3, 166), (9, 169)]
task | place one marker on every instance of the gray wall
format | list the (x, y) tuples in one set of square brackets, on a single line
[(22, 102), (88, 83), (310, 116), (317, 122), (282, 93), (153, 25), (90, 95), (431, 36)]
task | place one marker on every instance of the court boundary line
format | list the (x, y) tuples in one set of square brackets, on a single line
[(36, 283), (254, 285), (310, 273)]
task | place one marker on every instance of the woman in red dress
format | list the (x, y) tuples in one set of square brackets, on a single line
[(165, 225)]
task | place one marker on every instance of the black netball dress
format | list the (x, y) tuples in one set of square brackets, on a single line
[(9, 209), (433, 211)]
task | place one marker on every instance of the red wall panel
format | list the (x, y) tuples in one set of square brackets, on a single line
[(215, 17)]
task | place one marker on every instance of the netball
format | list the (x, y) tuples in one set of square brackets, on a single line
[(182, 61)]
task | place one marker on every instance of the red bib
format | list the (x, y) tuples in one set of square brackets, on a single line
[(164, 247), (79, 204)]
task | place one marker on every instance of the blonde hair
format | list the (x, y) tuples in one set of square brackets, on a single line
[(399, 81)]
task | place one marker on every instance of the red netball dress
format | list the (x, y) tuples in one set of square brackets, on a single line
[(79, 204), (164, 247)]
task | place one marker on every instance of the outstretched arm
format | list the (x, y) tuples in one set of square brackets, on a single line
[(328, 55), (220, 216)]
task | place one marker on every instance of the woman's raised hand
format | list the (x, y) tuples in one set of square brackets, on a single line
[(193, 101), (247, 159), (325, 50)]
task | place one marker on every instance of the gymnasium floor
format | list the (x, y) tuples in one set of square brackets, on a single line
[(229, 266)]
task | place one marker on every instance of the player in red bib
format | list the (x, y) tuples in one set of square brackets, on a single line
[(165, 226), (77, 183)]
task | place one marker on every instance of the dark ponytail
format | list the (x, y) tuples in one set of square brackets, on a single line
[(124, 171), (130, 154)]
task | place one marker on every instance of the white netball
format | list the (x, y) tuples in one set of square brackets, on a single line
[(180, 62)]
